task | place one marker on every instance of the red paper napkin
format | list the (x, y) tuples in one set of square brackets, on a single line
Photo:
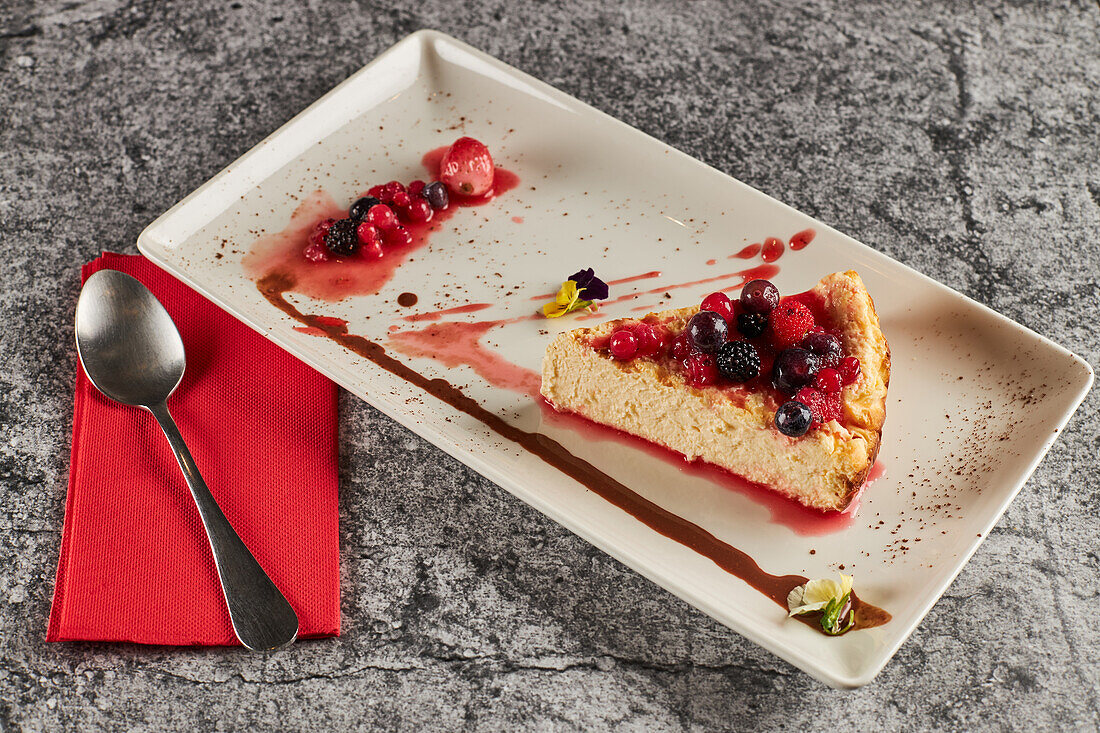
[(135, 563)]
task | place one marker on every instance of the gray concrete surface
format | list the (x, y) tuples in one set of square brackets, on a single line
[(960, 138)]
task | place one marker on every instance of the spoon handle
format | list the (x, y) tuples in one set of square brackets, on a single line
[(262, 618)]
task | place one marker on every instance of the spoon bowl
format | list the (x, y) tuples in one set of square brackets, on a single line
[(127, 343), (131, 351)]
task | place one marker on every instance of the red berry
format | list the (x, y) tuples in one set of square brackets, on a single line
[(467, 168), (681, 346), (701, 369), (651, 339), (382, 217), (849, 369), (828, 381), (790, 322), (720, 304), (372, 251), (401, 199), (825, 407), (376, 191), (398, 236), (415, 188), (419, 210), (368, 234), (316, 251), (623, 344)]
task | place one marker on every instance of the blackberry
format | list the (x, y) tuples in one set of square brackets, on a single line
[(358, 210), (793, 418), (752, 325), (738, 361), (342, 238)]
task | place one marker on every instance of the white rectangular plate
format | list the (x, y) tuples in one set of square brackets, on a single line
[(975, 399)]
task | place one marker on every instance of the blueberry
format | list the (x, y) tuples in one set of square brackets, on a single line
[(358, 210), (793, 418), (738, 361), (826, 346), (751, 325), (436, 194), (759, 296), (708, 331), (794, 369)]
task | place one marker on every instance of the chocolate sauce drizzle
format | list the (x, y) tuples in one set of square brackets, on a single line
[(730, 559)]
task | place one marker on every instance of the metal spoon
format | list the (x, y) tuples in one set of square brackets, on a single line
[(132, 353)]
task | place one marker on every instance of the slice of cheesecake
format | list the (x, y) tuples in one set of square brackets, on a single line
[(657, 395)]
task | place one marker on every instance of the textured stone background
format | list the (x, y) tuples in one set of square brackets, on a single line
[(961, 138)]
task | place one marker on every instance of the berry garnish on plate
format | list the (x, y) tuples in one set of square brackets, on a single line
[(467, 168), (435, 193), (358, 210), (342, 238)]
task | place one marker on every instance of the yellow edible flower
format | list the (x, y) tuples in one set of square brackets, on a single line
[(567, 299)]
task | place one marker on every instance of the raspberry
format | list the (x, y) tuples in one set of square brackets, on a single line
[(738, 361), (376, 191), (718, 303), (825, 407), (415, 187), (623, 344), (701, 369), (342, 239), (790, 322), (467, 168), (316, 251), (651, 339)]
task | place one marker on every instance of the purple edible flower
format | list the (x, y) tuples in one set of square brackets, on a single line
[(590, 286)]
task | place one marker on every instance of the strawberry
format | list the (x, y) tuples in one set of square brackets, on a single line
[(467, 168), (790, 322)]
